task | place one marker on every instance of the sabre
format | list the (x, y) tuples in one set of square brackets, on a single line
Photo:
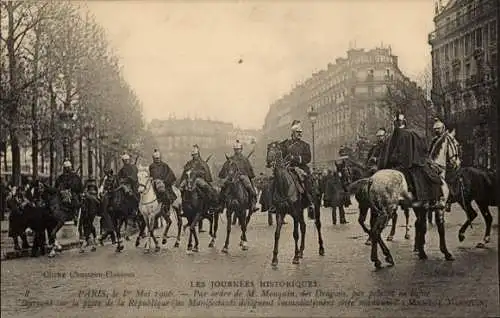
[(208, 158)]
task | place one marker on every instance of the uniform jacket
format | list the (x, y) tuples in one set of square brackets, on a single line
[(129, 172), (71, 181), (244, 166), (375, 152), (200, 166), (301, 152), (163, 172)]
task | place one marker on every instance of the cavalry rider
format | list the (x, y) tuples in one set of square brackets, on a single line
[(375, 151), (159, 170), (440, 136), (406, 151), (299, 152), (71, 181), (203, 177), (246, 173), (128, 174)]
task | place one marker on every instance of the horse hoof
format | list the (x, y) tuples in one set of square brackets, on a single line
[(93, 249), (461, 237), (244, 247), (389, 260), (241, 243), (449, 257), (407, 236), (224, 250), (296, 260), (300, 255), (189, 252), (176, 244), (101, 242), (480, 245), (195, 249), (321, 251), (82, 251), (127, 238), (164, 241), (422, 256), (157, 249), (368, 242), (486, 239), (390, 238), (274, 264), (211, 244), (146, 251), (137, 243), (377, 264), (52, 254)]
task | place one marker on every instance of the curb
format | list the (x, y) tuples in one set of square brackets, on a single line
[(26, 253), (10, 255)]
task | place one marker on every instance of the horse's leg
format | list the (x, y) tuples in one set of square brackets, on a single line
[(235, 219), (302, 226), (229, 215), (24, 240), (394, 221), (296, 238), (243, 225), (92, 232), (488, 219), (119, 223), (317, 222), (421, 229), (363, 213), (214, 228), (190, 239), (198, 217), (334, 215), (407, 226), (82, 233), (168, 219), (471, 215), (52, 242), (179, 226), (279, 224), (381, 224), (152, 236), (269, 218), (439, 217)]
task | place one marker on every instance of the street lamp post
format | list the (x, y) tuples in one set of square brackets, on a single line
[(313, 115), (89, 129), (66, 116)]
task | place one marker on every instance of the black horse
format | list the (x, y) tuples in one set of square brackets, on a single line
[(473, 184), (288, 199), (90, 209), (237, 201), (196, 207)]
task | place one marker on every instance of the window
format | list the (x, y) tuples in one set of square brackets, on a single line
[(493, 32), (455, 49), (467, 70), (467, 44), (447, 77)]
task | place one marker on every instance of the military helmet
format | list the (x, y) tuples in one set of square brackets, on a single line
[(67, 164), (125, 157), (296, 126), (195, 150)]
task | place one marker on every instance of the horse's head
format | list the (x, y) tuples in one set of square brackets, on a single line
[(274, 154), (231, 170)]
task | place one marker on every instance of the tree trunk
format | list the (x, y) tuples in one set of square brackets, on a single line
[(16, 156), (53, 108), (80, 154), (34, 107)]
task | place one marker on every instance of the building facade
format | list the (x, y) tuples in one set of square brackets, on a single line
[(348, 97), (176, 138), (464, 61)]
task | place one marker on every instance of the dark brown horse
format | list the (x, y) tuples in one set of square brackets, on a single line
[(236, 200), (472, 184), (287, 199)]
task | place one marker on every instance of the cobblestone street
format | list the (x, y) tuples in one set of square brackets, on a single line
[(343, 279)]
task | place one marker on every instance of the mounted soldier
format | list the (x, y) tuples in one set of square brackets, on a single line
[(376, 150), (299, 153), (246, 173), (406, 151), (202, 177), (128, 175), (163, 179), (441, 136), (70, 187)]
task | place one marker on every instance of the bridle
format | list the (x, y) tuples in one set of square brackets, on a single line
[(147, 188)]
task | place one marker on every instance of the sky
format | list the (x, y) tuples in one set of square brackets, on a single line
[(182, 59)]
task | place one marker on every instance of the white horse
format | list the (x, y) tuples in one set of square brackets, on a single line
[(150, 209)]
